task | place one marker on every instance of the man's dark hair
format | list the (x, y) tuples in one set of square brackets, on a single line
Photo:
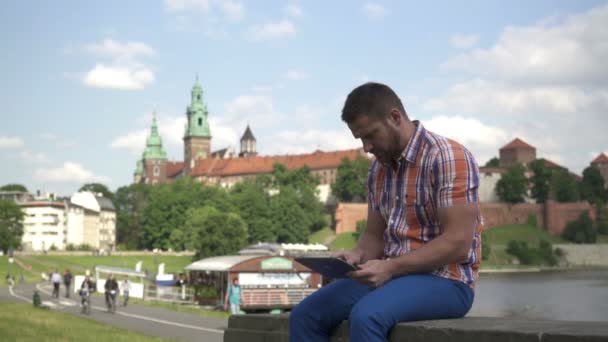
[(372, 99)]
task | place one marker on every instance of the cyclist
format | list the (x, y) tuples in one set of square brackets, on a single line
[(86, 288), (111, 288)]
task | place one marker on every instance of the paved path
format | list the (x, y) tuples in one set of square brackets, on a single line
[(140, 318)]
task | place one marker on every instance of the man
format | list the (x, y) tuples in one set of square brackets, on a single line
[(233, 297), (67, 281), (419, 256), (126, 289), (111, 289), (56, 280), (86, 288)]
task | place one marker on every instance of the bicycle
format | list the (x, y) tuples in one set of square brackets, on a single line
[(111, 301), (85, 302)]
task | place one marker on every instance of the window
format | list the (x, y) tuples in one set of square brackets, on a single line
[(200, 121), (156, 171)]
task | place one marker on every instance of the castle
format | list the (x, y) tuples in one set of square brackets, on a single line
[(223, 167)]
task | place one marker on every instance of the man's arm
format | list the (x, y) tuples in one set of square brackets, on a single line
[(458, 224)]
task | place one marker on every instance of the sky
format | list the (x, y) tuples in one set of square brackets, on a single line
[(79, 80)]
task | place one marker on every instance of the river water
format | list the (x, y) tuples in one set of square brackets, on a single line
[(580, 295)]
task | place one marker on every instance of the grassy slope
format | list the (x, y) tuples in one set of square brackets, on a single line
[(320, 236), (22, 322)]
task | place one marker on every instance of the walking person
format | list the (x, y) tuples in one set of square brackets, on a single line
[(67, 281), (126, 288), (418, 258), (233, 297), (56, 281)]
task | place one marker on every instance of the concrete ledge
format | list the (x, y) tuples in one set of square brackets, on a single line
[(275, 328)]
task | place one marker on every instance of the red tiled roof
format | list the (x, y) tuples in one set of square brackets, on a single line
[(601, 159), (517, 143), (552, 165), (173, 168), (263, 164)]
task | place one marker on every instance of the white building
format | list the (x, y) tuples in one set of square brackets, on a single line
[(44, 225), (86, 219)]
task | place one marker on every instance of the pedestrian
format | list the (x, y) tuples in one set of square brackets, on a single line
[(56, 281), (233, 297), (126, 289), (67, 281), (418, 258)]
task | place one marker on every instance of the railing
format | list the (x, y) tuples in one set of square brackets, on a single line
[(274, 297), (174, 294)]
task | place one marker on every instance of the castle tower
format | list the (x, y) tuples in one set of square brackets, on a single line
[(601, 162), (197, 136), (517, 151), (154, 158), (247, 144), (138, 175)]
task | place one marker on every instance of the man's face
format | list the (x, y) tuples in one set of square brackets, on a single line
[(378, 136)]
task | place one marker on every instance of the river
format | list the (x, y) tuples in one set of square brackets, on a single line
[(580, 295)]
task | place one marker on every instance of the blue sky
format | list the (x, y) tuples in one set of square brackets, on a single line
[(80, 79)]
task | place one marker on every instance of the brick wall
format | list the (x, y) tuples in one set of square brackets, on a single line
[(551, 216)]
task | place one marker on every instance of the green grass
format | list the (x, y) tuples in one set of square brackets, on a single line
[(321, 236), (22, 322), (501, 235), (344, 241), (184, 308), (79, 263)]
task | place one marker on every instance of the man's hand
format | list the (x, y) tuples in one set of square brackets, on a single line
[(374, 273), (352, 257)]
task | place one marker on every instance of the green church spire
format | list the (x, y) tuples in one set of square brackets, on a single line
[(154, 144), (197, 125)]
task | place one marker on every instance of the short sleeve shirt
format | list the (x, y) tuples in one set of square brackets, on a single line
[(433, 172)]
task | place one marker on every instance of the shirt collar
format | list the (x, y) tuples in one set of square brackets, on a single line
[(411, 150)]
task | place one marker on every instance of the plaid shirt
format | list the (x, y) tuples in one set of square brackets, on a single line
[(433, 172)]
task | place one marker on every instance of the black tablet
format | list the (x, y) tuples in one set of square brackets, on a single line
[(328, 266)]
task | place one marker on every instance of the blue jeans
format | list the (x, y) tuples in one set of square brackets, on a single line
[(372, 313)]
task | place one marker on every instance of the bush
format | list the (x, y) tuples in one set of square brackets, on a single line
[(53, 247), (70, 247), (84, 247), (485, 248), (601, 221), (543, 255), (580, 230), (531, 221), (361, 226)]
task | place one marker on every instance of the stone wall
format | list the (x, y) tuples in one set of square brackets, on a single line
[(585, 255), (552, 216), (275, 328)]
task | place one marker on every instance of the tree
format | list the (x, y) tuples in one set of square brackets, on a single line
[(563, 186), (11, 225), (98, 188), (512, 186), (540, 180), (580, 230), (13, 187), (253, 205), (494, 162), (213, 232), (130, 202), (351, 180), (592, 186), (289, 218)]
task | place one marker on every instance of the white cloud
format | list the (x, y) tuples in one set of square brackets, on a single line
[(296, 75), (233, 10), (306, 141), (464, 41), (570, 51), (115, 49), (34, 158), (484, 143), (253, 108), (118, 77), (10, 142), (134, 142), (374, 10), (186, 5), (293, 10), (269, 31), (69, 172), (224, 133)]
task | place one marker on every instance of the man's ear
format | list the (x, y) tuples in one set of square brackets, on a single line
[(395, 116)]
